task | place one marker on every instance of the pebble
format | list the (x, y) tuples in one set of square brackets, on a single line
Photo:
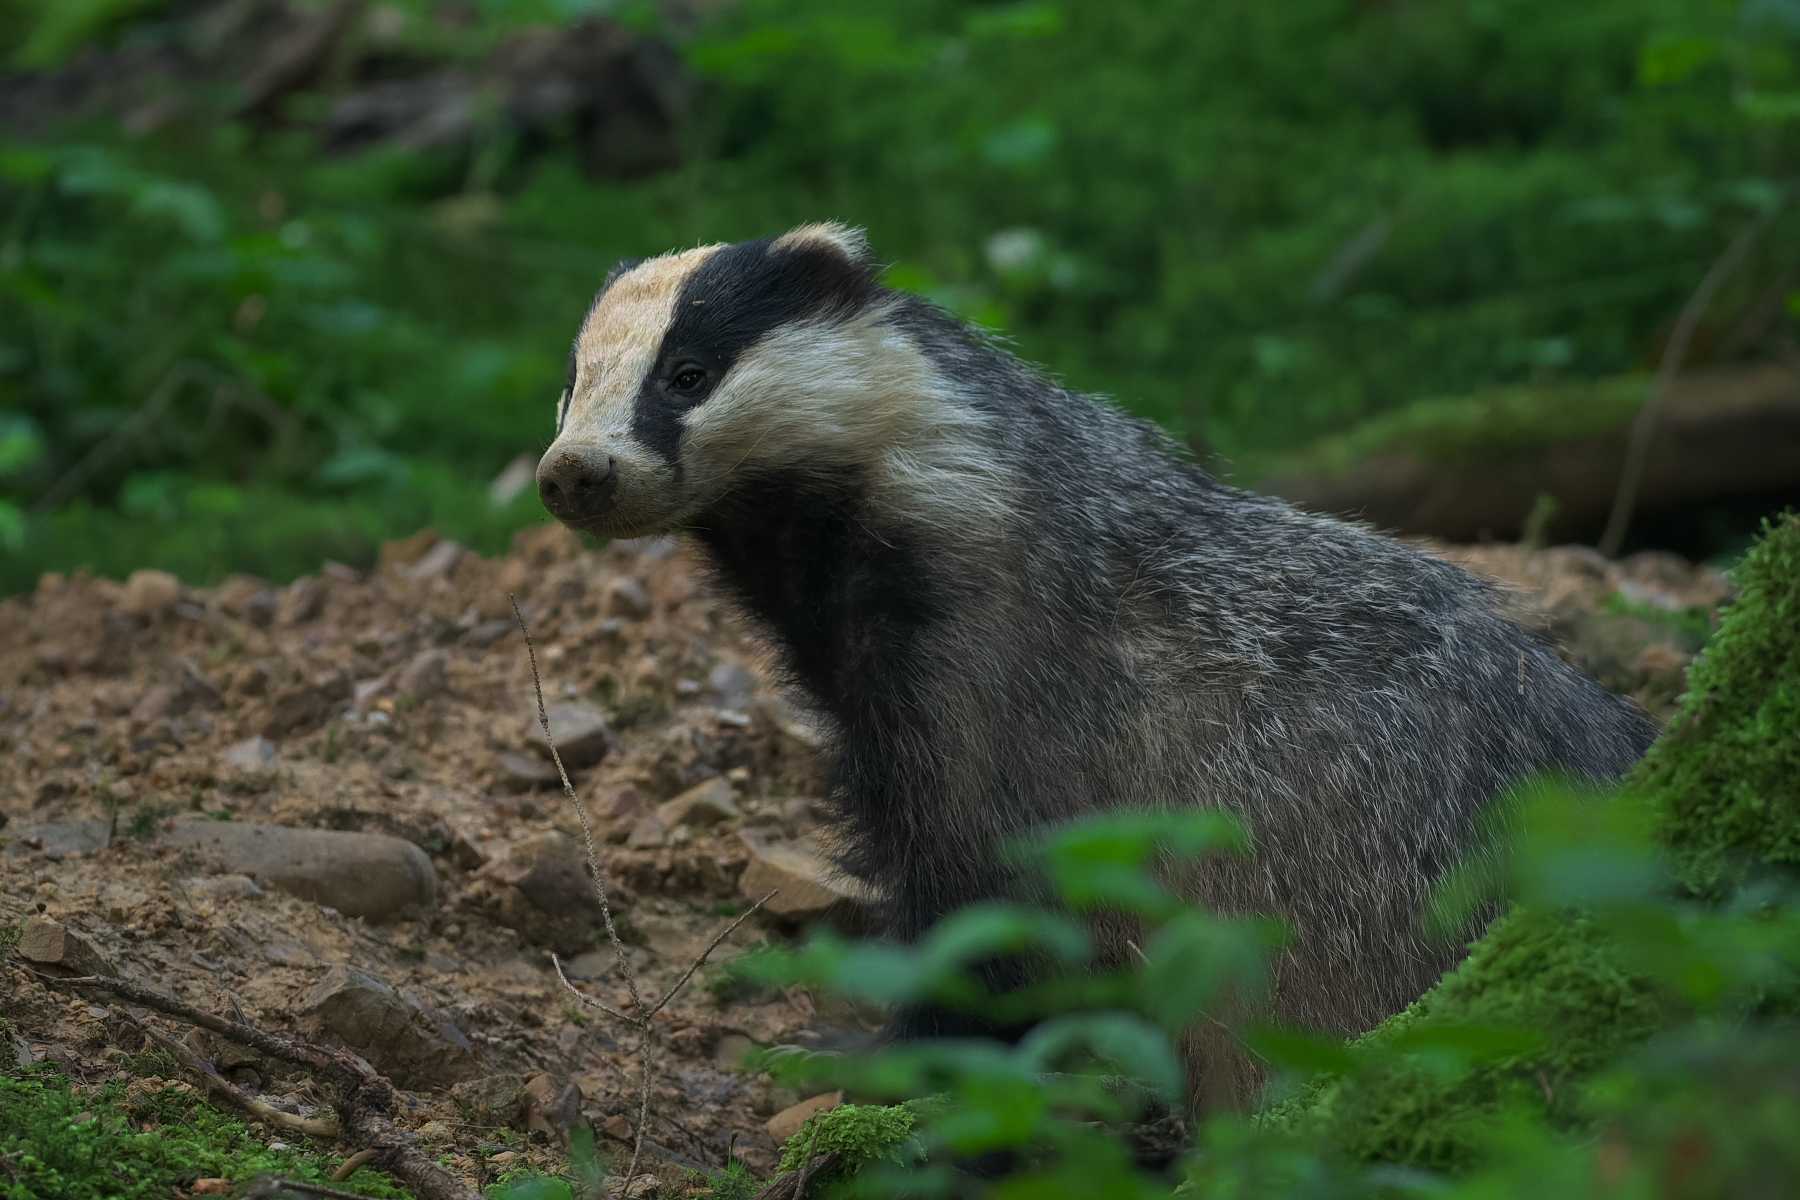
[(370, 875), (48, 943), (786, 1123), (426, 676), (626, 597), (150, 594), (528, 771), (701, 807), (649, 831), (60, 838), (550, 869), (402, 1037), (581, 733), (251, 754), (810, 888)]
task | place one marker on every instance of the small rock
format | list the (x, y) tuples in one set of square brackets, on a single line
[(647, 832), (289, 955), (619, 800), (402, 1037), (786, 1123), (50, 944), (368, 875), (199, 688), (731, 1050), (436, 563), (809, 886), (158, 704), (701, 807), (552, 1105), (305, 598), (488, 632), (73, 837), (550, 870), (528, 771), (513, 479), (251, 754), (590, 964), (150, 594), (734, 686), (365, 692), (492, 1100), (442, 964), (581, 733), (426, 676), (407, 551), (626, 597), (225, 887), (304, 705)]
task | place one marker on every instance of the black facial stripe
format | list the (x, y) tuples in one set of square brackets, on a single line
[(736, 296)]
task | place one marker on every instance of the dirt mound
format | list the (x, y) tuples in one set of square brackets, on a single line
[(393, 711)]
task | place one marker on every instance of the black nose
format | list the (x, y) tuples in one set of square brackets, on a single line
[(578, 484)]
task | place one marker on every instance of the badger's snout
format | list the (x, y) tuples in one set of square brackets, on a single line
[(578, 483)]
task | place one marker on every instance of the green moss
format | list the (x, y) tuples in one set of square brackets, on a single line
[(859, 1134), (108, 1144), (1725, 779), (1541, 1003)]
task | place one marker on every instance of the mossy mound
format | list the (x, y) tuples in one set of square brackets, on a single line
[(1545, 1000), (859, 1134), (1725, 779)]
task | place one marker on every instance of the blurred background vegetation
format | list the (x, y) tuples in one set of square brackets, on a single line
[(282, 278)]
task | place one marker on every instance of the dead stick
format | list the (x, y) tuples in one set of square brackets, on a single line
[(1637, 449), (262, 1111)]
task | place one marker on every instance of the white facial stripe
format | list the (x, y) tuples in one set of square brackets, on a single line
[(618, 345), (851, 394), (853, 244)]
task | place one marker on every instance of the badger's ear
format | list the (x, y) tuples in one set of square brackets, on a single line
[(852, 244), (623, 265)]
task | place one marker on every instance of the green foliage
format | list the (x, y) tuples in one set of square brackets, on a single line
[(1257, 223), (94, 1145), (1726, 779)]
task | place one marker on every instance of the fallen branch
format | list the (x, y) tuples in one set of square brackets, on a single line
[(364, 1100), (642, 1015), (261, 1110)]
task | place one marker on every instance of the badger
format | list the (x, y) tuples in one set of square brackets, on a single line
[(1012, 605)]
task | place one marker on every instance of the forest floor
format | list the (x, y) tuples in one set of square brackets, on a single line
[(168, 756)]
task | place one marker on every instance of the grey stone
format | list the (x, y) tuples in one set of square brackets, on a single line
[(647, 832), (199, 687), (626, 597), (225, 887), (489, 632), (150, 594), (493, 1099), (809, 886), (426, 676), (290, 955), (528, 771), (59, 838), (701, 807), (581, 733), (368, 875), (551, 871), (402, 1037), (251, 754), (436, 563), (50, 944)]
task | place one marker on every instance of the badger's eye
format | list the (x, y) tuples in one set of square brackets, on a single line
[(687, 379)]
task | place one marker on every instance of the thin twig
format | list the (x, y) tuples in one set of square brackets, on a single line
[(1637, 449), (641, 1017)]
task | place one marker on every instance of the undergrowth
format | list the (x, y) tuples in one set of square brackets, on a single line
[(124, 1142)]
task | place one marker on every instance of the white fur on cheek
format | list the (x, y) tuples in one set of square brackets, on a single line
[(855, 394)]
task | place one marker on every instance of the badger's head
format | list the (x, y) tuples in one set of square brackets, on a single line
[(696, 370)]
